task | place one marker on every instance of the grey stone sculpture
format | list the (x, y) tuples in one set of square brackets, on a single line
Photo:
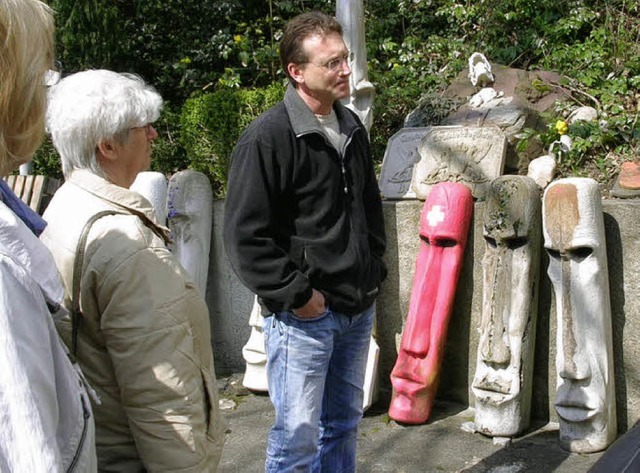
[(511, 266), (350, 14)]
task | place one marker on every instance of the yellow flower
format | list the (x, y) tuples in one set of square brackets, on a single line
[(562, 127), (237, 38)]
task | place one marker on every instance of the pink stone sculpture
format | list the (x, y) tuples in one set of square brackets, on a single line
[(444, 225)]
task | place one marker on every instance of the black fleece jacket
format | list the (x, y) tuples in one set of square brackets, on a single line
[(299, 214)]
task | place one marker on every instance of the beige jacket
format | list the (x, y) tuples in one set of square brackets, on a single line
[(144, 338)]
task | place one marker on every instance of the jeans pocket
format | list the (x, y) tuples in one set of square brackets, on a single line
[(307, 320)]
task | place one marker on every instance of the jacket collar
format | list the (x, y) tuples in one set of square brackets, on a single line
[(304, 121), (120, 197), (19, 243), (30, 218)]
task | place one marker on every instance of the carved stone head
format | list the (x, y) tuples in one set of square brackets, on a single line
[(504, 369), (575, 241)]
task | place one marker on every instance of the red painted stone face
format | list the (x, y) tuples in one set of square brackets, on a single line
[(444, 226)]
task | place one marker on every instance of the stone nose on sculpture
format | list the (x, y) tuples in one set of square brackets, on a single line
[(494, 345), (572, 364), (417, 335)]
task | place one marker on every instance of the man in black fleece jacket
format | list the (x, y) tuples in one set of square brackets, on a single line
[(304, 231)]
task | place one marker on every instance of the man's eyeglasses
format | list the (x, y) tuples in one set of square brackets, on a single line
[(336, 64)]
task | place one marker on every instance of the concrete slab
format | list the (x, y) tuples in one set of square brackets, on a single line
[(385, 446)]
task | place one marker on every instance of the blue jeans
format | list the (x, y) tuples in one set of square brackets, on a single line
[(316, 370)]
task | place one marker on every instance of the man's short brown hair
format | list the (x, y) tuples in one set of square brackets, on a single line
[(297, 30)]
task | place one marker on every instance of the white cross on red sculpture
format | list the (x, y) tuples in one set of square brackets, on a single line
[(435, 216)]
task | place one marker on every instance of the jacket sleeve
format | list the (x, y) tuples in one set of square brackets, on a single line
[(148, 335), (253, 211), (28, 399), (373, 209)]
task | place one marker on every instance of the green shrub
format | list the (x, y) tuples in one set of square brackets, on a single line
[(169, 154), (212, 123), (46, 160)]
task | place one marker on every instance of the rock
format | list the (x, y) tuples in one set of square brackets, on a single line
[(630, 175), (484, 96), (226, 404), (585, 114), (469, 427), (502, 441), (542, 170)]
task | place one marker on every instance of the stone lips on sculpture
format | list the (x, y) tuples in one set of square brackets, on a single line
[(573, 226), (511, 266), (444, 225)]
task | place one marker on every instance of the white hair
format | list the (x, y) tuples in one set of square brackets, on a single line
[(89, 107)]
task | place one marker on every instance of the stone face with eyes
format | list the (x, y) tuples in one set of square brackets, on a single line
[(444, 225), (504, 369), (574, 238)]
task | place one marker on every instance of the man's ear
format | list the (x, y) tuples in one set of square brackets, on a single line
[(295, 71), (106, 149)]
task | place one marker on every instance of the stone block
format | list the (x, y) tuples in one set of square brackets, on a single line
[(470, 155), (399, 160)]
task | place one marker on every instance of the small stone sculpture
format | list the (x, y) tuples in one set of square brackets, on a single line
[(480, 70), (190, 217), (255, 375), (444, 225), (574, 238), (350, 14), (153, 187), (254, 354), (511, 265)]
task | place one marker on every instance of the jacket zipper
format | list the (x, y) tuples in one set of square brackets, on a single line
[(85, 416), (340, 153)]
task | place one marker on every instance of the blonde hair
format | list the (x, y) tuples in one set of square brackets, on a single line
[(26, 52)]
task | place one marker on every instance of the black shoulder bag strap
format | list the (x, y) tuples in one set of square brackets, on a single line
[(77, 276)]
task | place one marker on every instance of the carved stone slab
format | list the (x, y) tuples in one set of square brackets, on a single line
[(473, 156), (400, 157)]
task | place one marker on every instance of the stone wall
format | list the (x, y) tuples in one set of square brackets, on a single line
[(230, 305)]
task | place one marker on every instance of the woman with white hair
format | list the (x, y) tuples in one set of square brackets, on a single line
[(46, 420), (142, 334)]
